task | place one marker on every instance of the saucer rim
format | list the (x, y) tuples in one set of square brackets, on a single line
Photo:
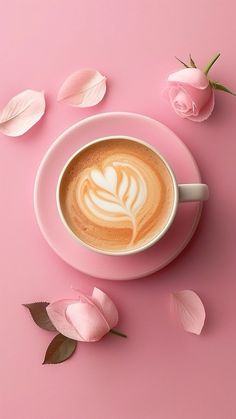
[(58, 140)]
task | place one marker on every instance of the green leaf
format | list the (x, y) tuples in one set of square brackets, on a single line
[(192, 63), (210, 64), (221, 87), (40, 316), (185, 65), (60, 349)]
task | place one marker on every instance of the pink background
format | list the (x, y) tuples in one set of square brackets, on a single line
[(159, 371)]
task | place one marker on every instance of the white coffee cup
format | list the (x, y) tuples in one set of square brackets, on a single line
[(189, 192)]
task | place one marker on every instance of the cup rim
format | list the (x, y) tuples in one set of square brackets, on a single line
[(155, 238)]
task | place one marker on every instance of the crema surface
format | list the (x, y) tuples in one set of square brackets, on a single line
[(116, 195)]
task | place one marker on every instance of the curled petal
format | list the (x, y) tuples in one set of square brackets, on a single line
[(84, 88), (206, 111), (107, 307), (192, 76), (191, 103), (181, 102), (22, 112), (190, 310), (88, 321), (85, 319), (57, 314)]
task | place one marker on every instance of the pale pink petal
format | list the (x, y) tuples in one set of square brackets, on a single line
[(200, 97), (107, 306), (173, 91), (176, 92), (190, 310), (57, 314), (183, 102), (192, 76), (206, 111), (83, 88), (87, 320), (22, 112)]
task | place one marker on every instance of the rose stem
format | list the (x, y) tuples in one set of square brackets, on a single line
[(210, 64), (118, 333)]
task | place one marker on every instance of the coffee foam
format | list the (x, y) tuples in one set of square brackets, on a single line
[(116, 195)]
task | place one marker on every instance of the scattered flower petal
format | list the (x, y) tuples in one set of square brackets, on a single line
[(22, 112), (84, 88), (190, 310)]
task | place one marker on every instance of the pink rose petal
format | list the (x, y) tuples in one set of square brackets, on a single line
[(86, 318), (107, 307), (190, 310), (83, 88), (175, 95), (183, 102), (88, 321), (188, 96), (22, 112), (192, 76), (57, 314), (206, 111)]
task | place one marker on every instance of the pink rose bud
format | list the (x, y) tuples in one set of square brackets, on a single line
[(85, 319), (190, 94)]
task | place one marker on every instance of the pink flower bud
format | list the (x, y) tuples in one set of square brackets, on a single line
[(85, 319), (190, 94)]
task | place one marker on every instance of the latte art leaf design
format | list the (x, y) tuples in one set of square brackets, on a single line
[(115, 194)]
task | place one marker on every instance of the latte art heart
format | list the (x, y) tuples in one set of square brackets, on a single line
[(116, 195)]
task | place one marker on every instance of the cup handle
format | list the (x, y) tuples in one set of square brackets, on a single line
[(193, 192)]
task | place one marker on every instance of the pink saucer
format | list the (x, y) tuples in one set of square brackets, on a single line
[(83, 259)]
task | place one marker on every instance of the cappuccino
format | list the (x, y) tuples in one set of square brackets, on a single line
[(116, 195)]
